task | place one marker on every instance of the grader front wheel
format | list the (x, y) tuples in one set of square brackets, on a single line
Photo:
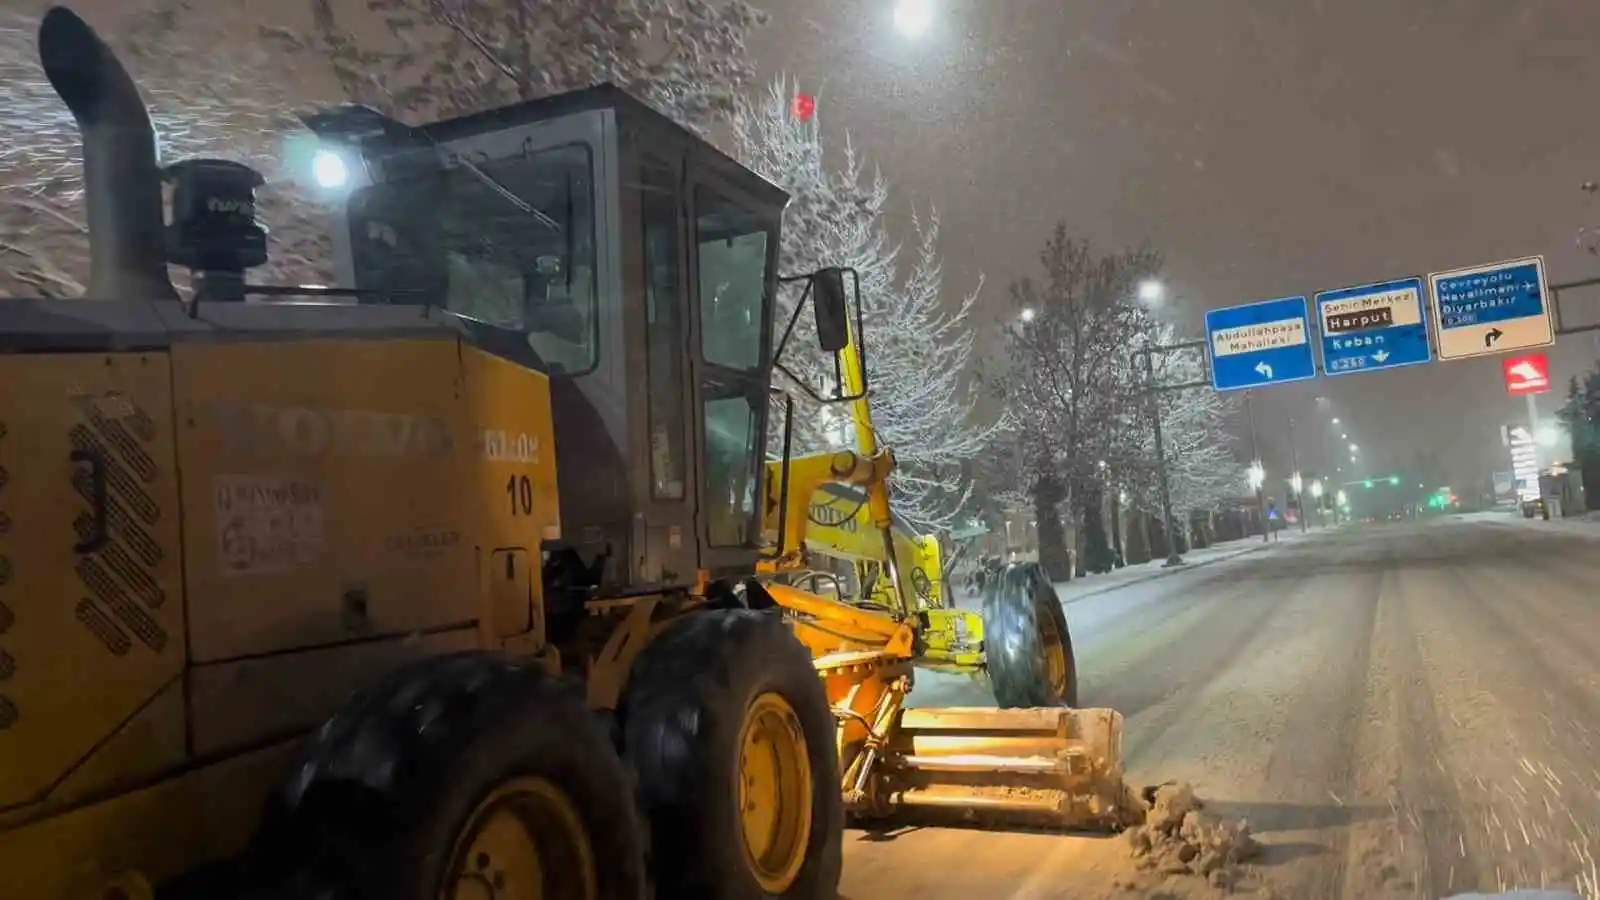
[(1027, 647)]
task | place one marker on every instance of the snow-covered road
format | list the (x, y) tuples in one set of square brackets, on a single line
[(1407, 710)]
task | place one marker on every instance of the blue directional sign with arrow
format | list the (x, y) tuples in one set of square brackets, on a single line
[(1490, 309), (1373, 327), (1260, 344)]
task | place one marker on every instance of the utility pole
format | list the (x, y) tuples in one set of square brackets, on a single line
[(1169, 528), (1255, 457), (1299, 480)]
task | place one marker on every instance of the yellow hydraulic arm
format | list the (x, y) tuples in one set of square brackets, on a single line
[(867, 468)]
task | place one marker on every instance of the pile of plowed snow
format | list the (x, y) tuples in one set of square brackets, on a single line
[(1180, 838)]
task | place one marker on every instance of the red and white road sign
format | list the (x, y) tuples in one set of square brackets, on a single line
[(1526, 374)]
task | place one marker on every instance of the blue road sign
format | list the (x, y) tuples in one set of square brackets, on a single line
[(1260, 344), (1490, 309), (1373, 327)]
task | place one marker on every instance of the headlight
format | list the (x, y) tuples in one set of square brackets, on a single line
[(329, 170)]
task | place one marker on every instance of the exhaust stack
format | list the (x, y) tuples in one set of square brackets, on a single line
[(122, 180)]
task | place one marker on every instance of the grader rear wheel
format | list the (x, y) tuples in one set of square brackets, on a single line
[(460, 777), (1027, 647), (525, 840), (774, 791), (726, 723)]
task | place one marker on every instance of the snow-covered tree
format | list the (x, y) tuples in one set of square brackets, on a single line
[(918, 339), (427, 59), (209, 95), (1202, 470), (1069, 382)]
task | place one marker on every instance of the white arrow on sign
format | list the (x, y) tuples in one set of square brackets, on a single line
[(1528, 372), (1264, 369), (1381, 355)]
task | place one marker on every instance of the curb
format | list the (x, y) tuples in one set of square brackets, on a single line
[(1587, 532), (1160, 573)]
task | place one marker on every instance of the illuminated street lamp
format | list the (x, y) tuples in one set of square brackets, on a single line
[(1316, 489), (1296, 482), (1257, 475), (1335, 420), (1027, 315), (1354, 448), (913, 18), (1151, 290)]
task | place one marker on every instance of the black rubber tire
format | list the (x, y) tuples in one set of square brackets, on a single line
[(1015, 600), (382, 791), (685, 701)]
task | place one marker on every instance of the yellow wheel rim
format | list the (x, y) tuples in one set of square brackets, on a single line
[(1052, 653), (525, 841), (774, 792)]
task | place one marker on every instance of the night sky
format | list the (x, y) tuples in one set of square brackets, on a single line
[(1268, 147)]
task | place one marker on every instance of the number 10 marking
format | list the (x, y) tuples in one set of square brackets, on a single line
[(519, 492)]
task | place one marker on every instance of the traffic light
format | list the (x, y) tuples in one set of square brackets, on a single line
[(1394, 479), (1367, 484)]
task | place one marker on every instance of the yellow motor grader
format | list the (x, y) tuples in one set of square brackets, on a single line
[(442, 583), (844, 558), (1037, 756)]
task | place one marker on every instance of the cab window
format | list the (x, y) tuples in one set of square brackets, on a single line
[(507, 243), (732, 256)]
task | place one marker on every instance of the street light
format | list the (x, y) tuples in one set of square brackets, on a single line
[(913, 18), (1151, 290), (1027, 315), (1343, 436), (1335, 420), (1257, 475), (1316, 489), (1354, 448), (1296, 482)]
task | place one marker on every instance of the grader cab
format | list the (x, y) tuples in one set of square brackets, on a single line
[(442, 583)]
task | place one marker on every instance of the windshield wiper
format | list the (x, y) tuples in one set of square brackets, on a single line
[(510, 197)]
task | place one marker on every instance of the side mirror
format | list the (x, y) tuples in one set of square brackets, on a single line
[(832, 310)]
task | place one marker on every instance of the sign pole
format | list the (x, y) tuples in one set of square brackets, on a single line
[(1300, 490), (1170, 526), (1255, 456), (1538, 461)]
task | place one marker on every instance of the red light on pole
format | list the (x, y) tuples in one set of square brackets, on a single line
[(805, 107), (1526, 374)]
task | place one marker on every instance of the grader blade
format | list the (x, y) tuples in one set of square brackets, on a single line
[(1045, 766)]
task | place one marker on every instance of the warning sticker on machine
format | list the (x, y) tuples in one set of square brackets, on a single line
[(267, 523)]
